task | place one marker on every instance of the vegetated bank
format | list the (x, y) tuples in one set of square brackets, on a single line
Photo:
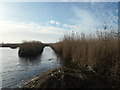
[(63, 78), (89, 62), (30, 48), (98, 52)]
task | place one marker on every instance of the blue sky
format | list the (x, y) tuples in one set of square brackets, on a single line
[(49, 21)]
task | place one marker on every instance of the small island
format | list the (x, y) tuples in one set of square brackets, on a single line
[(33, 48)]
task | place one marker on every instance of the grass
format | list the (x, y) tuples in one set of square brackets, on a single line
[(98, 51), (31, 48), (64, 78)]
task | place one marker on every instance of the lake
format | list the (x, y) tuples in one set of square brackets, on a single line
[(17, 70)]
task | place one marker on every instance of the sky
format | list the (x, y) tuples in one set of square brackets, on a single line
[(50, 21)]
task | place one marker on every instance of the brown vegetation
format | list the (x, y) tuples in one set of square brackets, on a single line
[(99, 52), (63, 78), (32, 48)]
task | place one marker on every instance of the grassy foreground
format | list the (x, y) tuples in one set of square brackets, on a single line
[(32, 48), (99, 52), (62, 78)]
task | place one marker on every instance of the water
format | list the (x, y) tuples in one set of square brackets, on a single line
[(16, 70)]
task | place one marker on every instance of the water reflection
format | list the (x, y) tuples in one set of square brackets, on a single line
[(30, 61)]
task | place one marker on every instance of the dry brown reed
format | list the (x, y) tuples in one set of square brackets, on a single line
[(98, 51), (31, 48)]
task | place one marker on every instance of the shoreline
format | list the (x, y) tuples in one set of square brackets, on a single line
[(16, 45), (66, 78), (11, 45)]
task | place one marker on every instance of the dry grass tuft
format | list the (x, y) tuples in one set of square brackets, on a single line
[(31, 48)]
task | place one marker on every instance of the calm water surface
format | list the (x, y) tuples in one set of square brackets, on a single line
[(16, 70)]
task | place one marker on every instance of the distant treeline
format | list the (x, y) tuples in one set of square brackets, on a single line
[(11, 45), (15, 45)]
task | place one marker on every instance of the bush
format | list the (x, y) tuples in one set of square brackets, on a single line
[(32, 48)]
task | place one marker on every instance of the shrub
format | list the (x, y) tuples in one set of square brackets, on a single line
[(31, 48)]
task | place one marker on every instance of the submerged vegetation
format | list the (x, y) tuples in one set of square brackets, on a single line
[(31, 48), (98, 52)]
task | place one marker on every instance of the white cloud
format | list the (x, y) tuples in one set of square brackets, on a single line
[(17, 31), (53, 22), (87, 21), (70, 26), (12, 31)]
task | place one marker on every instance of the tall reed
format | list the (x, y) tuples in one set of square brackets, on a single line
[(98, 51)]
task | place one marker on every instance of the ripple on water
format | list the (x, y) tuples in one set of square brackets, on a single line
[(16, 70)]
